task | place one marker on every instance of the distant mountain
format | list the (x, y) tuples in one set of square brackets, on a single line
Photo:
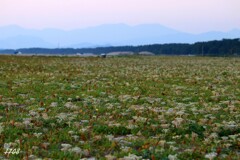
[(14, 37), (23, 41)]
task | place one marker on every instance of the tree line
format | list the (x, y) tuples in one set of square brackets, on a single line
[(224, 47)]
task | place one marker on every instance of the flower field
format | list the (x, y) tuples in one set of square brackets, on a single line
[(125, 108)]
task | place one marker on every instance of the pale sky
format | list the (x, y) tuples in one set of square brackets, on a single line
[(195, 16)]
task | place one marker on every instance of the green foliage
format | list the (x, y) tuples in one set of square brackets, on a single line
[(226, 132), (189, 129), (103, 129), (194, 127)]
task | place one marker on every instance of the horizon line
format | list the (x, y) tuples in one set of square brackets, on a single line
[(108, 24)]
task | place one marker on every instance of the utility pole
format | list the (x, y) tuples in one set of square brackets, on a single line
[(202, 50)]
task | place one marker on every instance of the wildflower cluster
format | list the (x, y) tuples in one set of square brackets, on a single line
[(120, 108)]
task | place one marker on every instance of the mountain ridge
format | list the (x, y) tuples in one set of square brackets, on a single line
[(102, 35)]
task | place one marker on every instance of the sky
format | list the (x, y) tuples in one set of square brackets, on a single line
[(193, 16)]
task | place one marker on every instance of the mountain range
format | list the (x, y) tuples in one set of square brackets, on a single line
[(14, 37)]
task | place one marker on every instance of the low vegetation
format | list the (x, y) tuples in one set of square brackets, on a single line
[(119, 108)]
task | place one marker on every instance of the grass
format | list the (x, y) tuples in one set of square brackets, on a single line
[(120, 107)]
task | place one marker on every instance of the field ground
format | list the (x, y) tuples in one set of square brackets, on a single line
[(122, 107)]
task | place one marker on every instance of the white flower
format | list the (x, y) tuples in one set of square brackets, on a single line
[(132, 157), (180, 113), (173, 148), (32, 99), (170, 111), (35, 147), (172, 157), (110, 137), (69, 99), (37, 134), (66, 147), (6, 145), (70, 105), (84, 121), (110, 157), (231, 125), (224, 138), (139, 119), (213, 135), (125, 148), (162, 143), (62, 116), (124, 98), (211, 155), (233, 137), (165, 126), (71, 132), (177, 122), (54, 104), (76, 150), (33, 113), (33, 157), (75, 137), (26, 122), (41, 109), (92, 158), (131, 126)]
